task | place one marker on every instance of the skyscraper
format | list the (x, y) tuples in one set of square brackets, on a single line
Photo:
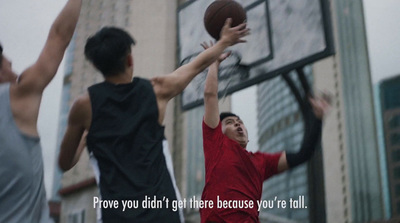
[(281, 128), (351, 176), (389, 90)]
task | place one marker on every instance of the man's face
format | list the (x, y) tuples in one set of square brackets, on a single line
[(234, 129)]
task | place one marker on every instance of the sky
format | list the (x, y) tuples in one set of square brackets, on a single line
[(383, 35), (24, 25)]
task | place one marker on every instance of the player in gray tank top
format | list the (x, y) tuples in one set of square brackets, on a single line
[(22, 192)]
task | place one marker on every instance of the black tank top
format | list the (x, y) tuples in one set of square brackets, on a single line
[(126, 140)]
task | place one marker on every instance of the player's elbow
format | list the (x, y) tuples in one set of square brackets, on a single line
[(64, 163)]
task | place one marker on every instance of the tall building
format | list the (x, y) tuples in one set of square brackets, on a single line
[(350, 166), (351, 158), (382, 150), (361, 189), (280, 127), (390, 106)]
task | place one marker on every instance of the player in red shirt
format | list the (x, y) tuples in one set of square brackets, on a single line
[(234, 176)]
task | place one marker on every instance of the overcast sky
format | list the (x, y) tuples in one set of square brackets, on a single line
[(24, 25), (383, 34)]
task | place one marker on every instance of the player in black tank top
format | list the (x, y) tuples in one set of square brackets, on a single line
[(123, 120), (126, 139)]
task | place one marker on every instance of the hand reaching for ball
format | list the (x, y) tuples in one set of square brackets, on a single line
[(233, 35)]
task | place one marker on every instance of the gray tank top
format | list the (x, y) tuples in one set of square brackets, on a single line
[(22, 192)]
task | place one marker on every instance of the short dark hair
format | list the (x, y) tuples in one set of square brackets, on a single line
[(1, 54), (224, 115), (107, 50)]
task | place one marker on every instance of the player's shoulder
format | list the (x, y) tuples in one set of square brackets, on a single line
[(82, 99), (149, 83), (81, 109), (82, 102)]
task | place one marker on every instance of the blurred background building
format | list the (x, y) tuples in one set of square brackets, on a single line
[(346, 180), (390, 107), (280, 127)]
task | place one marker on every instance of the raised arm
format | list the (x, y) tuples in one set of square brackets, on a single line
[(319, 107), (39, 75), (211, 108), (168, 86)]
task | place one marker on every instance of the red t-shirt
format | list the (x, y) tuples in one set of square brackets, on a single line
[(233, 175)]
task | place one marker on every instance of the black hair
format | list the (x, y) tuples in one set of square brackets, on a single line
[(226, 114), (107, 50)]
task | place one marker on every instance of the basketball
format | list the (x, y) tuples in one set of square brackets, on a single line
[(217, 13)]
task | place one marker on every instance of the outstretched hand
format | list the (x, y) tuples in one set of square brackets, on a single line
[(222, 57), (234, 35), (321, 105)]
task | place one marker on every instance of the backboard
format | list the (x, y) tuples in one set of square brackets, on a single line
[(285, 35)]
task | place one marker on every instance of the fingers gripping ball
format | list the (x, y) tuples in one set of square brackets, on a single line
[(217, 13)]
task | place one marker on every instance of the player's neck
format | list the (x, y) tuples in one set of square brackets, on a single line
[(122, 78)]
